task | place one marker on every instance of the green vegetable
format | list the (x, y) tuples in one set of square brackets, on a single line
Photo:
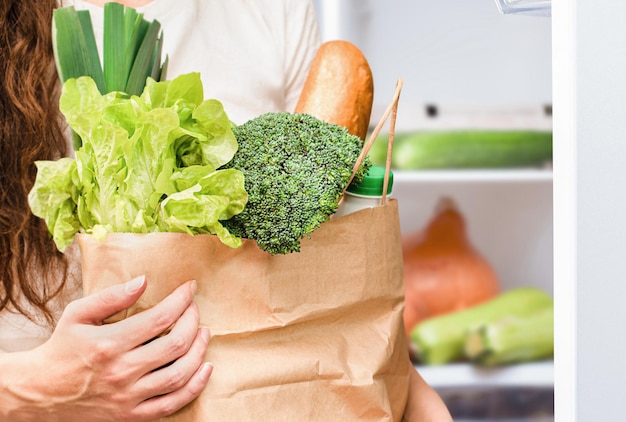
[(513, 339), (131, 48), (74, 46), (441, 339), (148, 163), (463, 149), (114, 46), (296, 168)]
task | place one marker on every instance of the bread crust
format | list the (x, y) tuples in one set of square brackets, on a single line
[(339, 87)]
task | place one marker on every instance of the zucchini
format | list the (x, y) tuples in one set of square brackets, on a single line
[(441, 339), (466, 149), (513, 339)]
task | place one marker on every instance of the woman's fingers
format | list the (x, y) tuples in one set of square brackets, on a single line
[(172, 377), (129, 365), (161, 406), (175, 385), (146, 325), (169, 347), (97, 307)]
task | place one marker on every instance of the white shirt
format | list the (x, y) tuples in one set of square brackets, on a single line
[(252, 55)]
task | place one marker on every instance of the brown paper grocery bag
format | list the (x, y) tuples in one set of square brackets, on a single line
[(311, 336)]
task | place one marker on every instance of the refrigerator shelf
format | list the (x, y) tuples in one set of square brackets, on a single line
[(522, 392), (457, 375), (521, 175)]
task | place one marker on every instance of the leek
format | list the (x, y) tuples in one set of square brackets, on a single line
[(74, 46), (114, 57), (142, 66), (132, 49)]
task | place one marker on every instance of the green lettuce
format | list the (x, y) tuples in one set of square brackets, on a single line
[(147, 163)]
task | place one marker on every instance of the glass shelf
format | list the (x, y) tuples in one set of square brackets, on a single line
[(521, 175), (532, 374)]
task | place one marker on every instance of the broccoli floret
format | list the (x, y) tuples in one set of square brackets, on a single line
[(295, 169)]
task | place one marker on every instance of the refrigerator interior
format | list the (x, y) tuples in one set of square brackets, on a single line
[(466, 64)]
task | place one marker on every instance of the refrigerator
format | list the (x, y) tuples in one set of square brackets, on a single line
[(589, 57), (480, 64)]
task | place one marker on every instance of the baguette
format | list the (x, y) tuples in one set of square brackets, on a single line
[(339, 87)]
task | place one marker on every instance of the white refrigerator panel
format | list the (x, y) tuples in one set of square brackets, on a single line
[(590, 235)]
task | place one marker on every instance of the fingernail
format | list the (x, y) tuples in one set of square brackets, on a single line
[(194, 287), (206, 369), (205, 334), (135, 284)]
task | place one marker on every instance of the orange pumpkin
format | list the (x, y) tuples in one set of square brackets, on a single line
[(443, 271)]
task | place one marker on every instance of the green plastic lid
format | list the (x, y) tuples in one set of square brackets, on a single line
[(372, 184)]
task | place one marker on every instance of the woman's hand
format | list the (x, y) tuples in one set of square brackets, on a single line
[(111, 372)]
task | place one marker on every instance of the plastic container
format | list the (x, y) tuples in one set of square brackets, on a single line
[(367, 194)]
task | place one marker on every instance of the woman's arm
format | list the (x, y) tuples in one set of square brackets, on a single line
[(124, 371), (424, 404)]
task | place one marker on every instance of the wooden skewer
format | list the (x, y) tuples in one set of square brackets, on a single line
[(392, 109)]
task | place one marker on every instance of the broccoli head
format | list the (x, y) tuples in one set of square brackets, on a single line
[(295, 169)]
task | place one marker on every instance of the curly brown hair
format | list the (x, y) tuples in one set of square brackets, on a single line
[(31, 128)]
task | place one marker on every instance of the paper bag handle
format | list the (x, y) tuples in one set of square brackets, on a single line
[(392, 109)]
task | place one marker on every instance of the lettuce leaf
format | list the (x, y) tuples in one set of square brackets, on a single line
[(147, 163)]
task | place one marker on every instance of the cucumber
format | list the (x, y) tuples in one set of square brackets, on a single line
[(466, 149), (378, 150), (441, 339), (513, 339)]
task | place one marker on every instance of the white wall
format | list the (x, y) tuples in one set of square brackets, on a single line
[(455, 52)]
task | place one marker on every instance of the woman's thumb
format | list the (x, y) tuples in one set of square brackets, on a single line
[(100, 305)]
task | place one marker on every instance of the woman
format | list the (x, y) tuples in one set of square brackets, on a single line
[(84, 370), (83, 367)]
